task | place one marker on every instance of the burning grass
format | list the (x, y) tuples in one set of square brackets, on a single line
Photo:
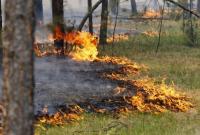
[(117, 38), (151, 14), (143, 95), (80, 46), (152, 97), (63, 115), (149, 96), (150, 33)]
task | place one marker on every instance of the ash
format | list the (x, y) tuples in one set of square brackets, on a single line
[(61, 81)]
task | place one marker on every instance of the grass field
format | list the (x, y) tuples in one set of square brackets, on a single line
[(175, 61)]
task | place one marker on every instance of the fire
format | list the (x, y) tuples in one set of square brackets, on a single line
[(80, 46), (117, 38), (70, 114), (144, 94), (151, 14), (85, 46), (151, 33), (152, 97), (58, 34)]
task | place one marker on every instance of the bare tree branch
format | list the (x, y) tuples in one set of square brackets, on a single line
[(88, 15), (184, 8)]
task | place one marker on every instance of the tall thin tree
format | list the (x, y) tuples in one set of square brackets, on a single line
[(90, 22), (113, 5), (198, 6), (104, 23), (39, 11), (0, 34), (133, 7), (57, 12), (58, 21), (18, 75)]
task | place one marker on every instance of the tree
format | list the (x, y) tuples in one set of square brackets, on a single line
[(18, 67), (0, 17), (0, 35), (113, 4), (90, 22), (133, 7), (57, 12), (95, 6), (104, 22), (39, 11), (198, 6), (58, 21)]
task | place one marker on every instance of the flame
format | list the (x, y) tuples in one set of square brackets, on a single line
[(148, 95), (73, 113), (152, 97), (58, 34), (80, 46), (143, 95), (117, 38), (85, 46), (150, 33), (151, 14)]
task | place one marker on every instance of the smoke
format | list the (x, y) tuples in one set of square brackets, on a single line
[(42, 34), (63, 81)]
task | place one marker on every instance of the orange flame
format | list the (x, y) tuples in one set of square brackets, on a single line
[(78, 45), (117, 38), (58, 34), (151, 14), (85, 46)]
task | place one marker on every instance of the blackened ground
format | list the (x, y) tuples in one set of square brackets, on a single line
[(64, 81)]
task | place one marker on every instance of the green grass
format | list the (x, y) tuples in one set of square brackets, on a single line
[(176, 62), (134, 124)]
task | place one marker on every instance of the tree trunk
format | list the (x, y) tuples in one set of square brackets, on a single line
[(0, 17), (39, 11), (113, 4), (1, 52), (133, 7), (57, 12), (58, 21), (18, 76), (90, 22), (198, 6), (104, 22)]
